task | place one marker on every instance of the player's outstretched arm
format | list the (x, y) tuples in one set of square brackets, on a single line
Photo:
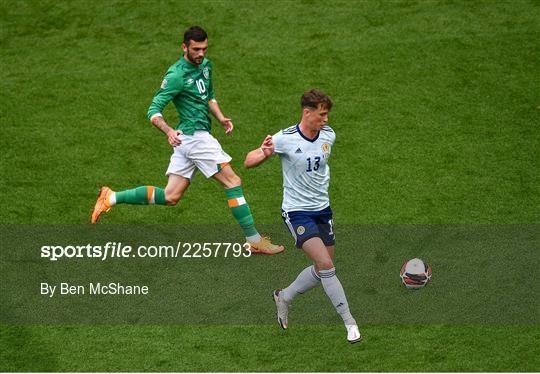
[(259, 155), (225, 122), (172, 135)]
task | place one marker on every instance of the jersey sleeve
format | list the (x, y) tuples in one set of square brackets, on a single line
[(171, 86), (278, 140)]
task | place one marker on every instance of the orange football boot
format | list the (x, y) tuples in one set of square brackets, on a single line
[(102, 203), (266, 247)]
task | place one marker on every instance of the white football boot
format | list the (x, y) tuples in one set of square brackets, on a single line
[(353, 334), (282, 310)]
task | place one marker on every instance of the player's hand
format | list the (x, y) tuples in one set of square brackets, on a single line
[(267, 146), (173, 137), (227, 125)]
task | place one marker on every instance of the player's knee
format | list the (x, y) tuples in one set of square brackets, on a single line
[(324, 264)]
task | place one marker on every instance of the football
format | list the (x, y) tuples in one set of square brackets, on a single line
[(415, 273)]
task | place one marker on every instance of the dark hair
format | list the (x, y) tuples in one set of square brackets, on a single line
[(195, 33), (314, 97)]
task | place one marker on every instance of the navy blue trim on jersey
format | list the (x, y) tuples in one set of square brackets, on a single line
[(304, 225), (327, 128), (305, 137), (290, 130)]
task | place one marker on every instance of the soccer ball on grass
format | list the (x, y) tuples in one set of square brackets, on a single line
[(415, 273)]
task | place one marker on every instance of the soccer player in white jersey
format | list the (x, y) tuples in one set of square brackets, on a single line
[(304, 150)]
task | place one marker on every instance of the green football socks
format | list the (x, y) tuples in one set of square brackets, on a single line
[(240, 210), (141, 195), (146, 195)]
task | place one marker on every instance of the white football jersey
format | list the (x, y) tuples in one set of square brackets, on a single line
[(306, 174)]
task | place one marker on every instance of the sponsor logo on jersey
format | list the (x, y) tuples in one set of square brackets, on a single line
[(326, 147), (206, 72), (300, 230), (298, 151), (164, 84), (190, 81)]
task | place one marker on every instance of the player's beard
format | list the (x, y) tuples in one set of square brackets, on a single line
[(194, 60)]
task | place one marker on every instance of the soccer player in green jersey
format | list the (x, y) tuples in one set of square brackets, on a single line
[(188, 84)]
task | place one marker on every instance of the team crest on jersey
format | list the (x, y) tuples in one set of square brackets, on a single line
[(206, 72), (164, 84), (326, 147), (300, 230)]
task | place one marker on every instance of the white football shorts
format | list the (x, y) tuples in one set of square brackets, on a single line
[(198, 151)]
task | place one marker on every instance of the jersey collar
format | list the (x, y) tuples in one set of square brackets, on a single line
[(305, 137)]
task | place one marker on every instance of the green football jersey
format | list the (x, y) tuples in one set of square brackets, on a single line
[(190, 89)]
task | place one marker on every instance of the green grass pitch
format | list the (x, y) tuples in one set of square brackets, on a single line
[(436, 112)]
